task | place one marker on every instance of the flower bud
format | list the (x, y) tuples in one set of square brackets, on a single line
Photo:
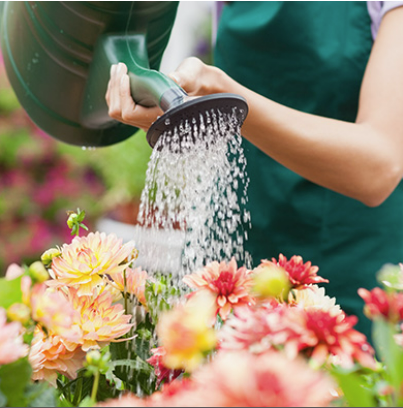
[(97, 362), (18, 312), (48, 256), (72, 220), (271, 281), (38, 272), (93, 358)]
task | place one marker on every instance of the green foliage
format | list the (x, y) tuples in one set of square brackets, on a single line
[(159, 295), (391, 354), (10, 292), (16, 389), (355, 387)]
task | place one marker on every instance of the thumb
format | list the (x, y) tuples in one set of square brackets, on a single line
[(176, 77)]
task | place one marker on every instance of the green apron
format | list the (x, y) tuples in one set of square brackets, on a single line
[(310, 56)]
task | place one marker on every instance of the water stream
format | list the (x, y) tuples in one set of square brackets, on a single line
[(197, 183)]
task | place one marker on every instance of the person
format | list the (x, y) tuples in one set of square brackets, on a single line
[(324, 133)]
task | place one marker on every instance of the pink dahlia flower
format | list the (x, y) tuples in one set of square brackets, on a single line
[(321, 335), (100, 321), (255, 329), (244, 380), (12, 346), (299, 273), (84, 262), (230, 286), (50, 356), (379, 303)]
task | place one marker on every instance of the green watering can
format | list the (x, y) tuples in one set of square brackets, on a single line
[(58, 57)]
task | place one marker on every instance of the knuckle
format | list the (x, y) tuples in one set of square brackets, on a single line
[(114, 113), (127, 115)]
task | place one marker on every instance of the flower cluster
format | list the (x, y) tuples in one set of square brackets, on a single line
[(233, 341)]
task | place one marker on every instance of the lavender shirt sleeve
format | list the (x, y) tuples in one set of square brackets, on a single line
[(377, 9)]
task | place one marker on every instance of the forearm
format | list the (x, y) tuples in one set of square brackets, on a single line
[(350, 158)]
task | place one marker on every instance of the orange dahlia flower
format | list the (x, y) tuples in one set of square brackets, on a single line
[(186, 333), (230, 286), (83, 263), (51, 309), (100, 321), (136, 280), (50, 356)]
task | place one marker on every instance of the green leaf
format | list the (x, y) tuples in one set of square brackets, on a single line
[(14, 379), (354, 389), (390, 353), (3, 400), (87, 402), (41, 395), (10, 292)]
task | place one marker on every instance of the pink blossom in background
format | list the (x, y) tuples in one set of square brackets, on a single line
[(12, 346)]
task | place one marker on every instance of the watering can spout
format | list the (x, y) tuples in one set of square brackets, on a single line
[(58, 57)]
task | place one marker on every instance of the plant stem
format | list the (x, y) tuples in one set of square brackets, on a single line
[(95, 387), (125, 292)]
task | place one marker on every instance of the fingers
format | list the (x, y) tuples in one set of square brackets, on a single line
[(121, 104), (115, 106), (189, 75)]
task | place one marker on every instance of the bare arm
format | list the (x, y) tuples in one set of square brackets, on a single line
[(362, 160)]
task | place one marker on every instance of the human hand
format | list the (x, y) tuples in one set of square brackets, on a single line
[(121, 104), (195, 77)]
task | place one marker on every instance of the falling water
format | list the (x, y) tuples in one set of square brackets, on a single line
[(195, 198), (196, 183)]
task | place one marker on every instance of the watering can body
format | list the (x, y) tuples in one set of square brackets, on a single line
[(58, 57)]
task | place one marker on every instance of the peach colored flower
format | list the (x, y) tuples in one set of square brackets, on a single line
[(50, 356), (163, 373), (136, 280), (269, 380), (14, 271), (299, 273), (51, 309), (84, 262), (229, 285), (313, 297), (101, 322), (12, 346), (186, 333)]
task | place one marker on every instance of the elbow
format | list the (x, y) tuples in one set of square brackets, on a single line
[(381, 185)]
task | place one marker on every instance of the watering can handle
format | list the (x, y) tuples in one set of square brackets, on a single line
[(148, 87)]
